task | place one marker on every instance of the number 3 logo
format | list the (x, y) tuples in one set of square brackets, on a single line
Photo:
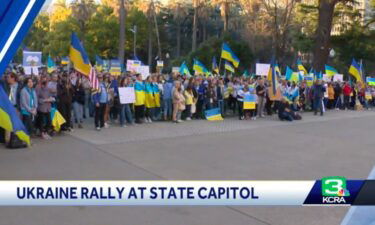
[(332, 185)]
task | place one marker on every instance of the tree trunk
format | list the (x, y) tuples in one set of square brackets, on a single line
[(195, 25), (178, 36), (157, 32), (150, 42), (323, 34), (121, 53)]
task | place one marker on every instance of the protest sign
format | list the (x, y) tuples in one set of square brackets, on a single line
[(144, 71), (160, 63), (127, 95), (249, 101), (115, 69), (338, 78), (262, 69), (175, 69), (132, 65), (31, 62)]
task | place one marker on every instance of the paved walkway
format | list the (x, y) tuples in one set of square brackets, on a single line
[(340, 143)]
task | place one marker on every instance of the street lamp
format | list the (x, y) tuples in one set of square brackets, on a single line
[(134, 30)]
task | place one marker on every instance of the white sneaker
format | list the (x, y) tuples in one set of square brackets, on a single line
[(44, 136), (124, 125), (98, 129), (106, 125), (179, 121), (188, 119), (149, 120)]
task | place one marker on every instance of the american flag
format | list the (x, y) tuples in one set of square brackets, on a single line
[(94, 80)]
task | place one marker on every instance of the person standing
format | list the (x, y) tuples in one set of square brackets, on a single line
[(125, 111), (28, 105), (44, 109), (318, 94), (64, 101), (347, 92), (167, 99), (261, 93), (139, 106), (178, 102), (78, 101), (100, 100)]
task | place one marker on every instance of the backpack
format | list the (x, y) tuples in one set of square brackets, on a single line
[(15, 142)]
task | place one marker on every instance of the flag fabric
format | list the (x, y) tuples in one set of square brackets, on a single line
[(330, 71), (301, 68), (289, 73), (355, 71), (9, 119), (115, 69), (229, 67), (246, 73), (370, 81), (215, 67), (65, 60), (78, 56), (277, 70), (228, 54), (51, 66), (57, 119), (93, 78), (319, 76), (199, 68), (249, 101), (272, 77), (184, 70), (98, 63), (213, 114)]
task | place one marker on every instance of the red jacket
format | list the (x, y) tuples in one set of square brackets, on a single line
[(347, 90)]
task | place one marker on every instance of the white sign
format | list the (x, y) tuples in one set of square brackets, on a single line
[(160, 63), (326, 78), (144, 71), (127, 95), (31, 70), (262, 69), (338, 78), (132, 65), (175, 69)]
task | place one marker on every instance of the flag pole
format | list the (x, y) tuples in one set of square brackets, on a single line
[(220, 60)]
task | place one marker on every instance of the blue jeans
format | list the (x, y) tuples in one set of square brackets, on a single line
[(220, 104), (125, 114), (318, 105), (167, 108), (78, 112)]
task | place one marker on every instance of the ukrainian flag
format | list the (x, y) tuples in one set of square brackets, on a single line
[(57, 119), (249, 101), (215, 67), (149, 94), (301, 68), (65, 60), (213, 115), (228, 54), (140, 95), (330, 71), (184, 70), (199, 68), (272, 77), (229, 67), (51, 66), (155, 89), (277, 70), (289, 73), (355, 71), (78, 56), (370, 81), (9, 119), (98, 63)]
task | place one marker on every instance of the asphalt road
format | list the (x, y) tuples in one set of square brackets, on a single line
[(340, 144)]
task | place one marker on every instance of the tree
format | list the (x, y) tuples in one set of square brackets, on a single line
[(121, 53), (323, 32), (196, 5), (82, 10), (225, 6)]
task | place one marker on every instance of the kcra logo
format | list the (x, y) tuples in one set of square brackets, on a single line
[(334, 190)]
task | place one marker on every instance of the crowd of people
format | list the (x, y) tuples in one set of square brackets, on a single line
[(170, 97)]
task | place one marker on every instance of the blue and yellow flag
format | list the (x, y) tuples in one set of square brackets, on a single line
[(199, 68), (301, 68), (98, 63), (9, 119), (370, 81), (65, 60), (213, 114), (289, 73), (330, 71), (215, 67), (78, 56), (51, 66), (184, 70), (277, 70), (229, 67), (355, 71), (228, 54), (272, 77), (249, 101), (246, 73), (57, 119)]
